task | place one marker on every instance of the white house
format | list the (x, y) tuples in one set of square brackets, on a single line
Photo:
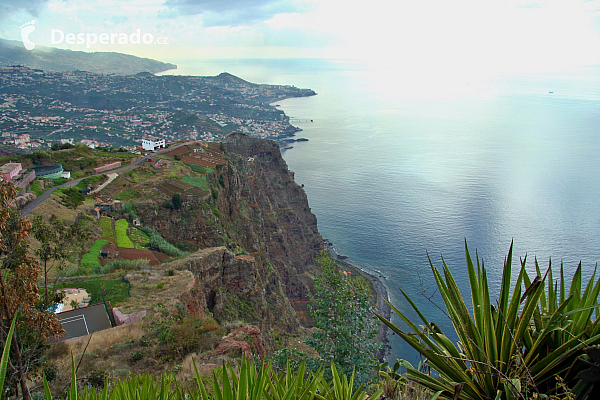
[(152, 143)]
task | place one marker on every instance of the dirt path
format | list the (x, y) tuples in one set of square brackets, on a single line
[(111, 177)]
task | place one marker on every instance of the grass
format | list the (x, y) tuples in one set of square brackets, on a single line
[(199, 169), (116, 290), (36, 188), (128, 194), (116, 155), (121, 233), (107, 231), (198, 181), (60, 181), (139, 238), (91, 181), (91, 258)]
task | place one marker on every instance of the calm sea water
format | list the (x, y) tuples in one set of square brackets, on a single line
[(396, 168)]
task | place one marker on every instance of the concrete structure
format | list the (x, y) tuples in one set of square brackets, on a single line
[(10, 170), (108, 167), (83, 321), (49, 171), (66, 175), (26, 179), (152, 143)]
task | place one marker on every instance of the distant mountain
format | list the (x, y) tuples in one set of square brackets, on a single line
[(51, 59)]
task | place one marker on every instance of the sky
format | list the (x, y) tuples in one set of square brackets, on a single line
[(460, 37)]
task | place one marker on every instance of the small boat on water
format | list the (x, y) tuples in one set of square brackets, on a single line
[(341, 257)]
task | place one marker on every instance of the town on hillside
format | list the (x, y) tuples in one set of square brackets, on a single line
[(40, 108)]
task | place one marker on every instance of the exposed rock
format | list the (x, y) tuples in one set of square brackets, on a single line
[(23, 199), (237, 341)]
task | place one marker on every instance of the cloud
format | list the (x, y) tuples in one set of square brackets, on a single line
[(233, 12), (33, 7)]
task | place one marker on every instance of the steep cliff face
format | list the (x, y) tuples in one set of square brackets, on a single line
[(256, 209), (230, 287)]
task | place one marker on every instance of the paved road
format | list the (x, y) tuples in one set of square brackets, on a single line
[(29, 207)]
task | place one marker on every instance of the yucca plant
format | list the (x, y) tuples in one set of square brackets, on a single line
[(507, 349), (342, 388), (290, 385)]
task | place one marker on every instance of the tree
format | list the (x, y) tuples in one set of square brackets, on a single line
[(19, 294), (346, 327), (176, 200), (57, 242)]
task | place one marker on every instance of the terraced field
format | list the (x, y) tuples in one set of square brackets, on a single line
[(107, 230), (121, 233)]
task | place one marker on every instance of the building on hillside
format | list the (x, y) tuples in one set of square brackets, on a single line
[(152, 143), (49, 171), (10, 170)]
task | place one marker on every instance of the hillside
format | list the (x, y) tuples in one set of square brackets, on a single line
[(59, 60), (239, 272)]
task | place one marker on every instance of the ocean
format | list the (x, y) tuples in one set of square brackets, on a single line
[(397, 168)]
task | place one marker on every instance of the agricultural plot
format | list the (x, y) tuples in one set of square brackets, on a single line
[(91, 259), (121, 234), (198, 181), (139, 238), (107, 231), (172, 187)]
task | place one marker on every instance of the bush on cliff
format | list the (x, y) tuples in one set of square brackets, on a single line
[(346, 327), (157, 242)]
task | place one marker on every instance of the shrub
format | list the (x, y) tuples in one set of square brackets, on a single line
[(193, 334), (518, 345), (71, 198), (128, 265), (157, 242)]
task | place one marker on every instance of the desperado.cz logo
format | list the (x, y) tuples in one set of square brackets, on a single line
[(57, 36)]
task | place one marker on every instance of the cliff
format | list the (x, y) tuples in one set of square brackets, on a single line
[(254, 238)]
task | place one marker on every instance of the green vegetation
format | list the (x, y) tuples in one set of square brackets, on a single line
[(128, 194), (121, 234), (250, 382), (36, 188), (139, 238), (198, 181), (107, 230), (525, 345), (157, 242), (116, 289), (59, 181), (90, 181), (120, 154), (239, 308), (346, 329), (199, 169), (71, 198), (127, 265), (90, 259)]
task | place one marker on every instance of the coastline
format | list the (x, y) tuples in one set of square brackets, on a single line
[(383, 308)]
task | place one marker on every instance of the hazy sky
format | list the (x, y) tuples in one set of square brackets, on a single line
[(461, 36)]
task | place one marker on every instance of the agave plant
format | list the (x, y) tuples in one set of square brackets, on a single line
[(342, 388), (509, 348)]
